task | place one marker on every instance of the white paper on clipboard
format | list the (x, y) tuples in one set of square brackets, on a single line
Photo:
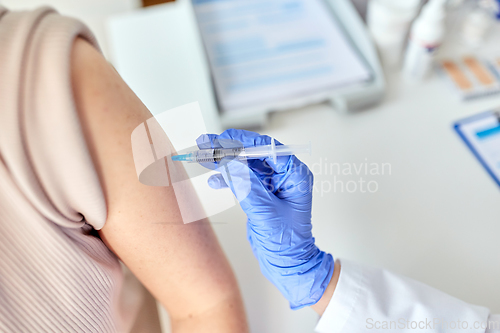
[(267, 51), (481, 133)]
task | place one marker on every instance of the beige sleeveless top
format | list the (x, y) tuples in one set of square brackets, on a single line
[(55, 274)]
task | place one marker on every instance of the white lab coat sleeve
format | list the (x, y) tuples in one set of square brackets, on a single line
[(375, 300)]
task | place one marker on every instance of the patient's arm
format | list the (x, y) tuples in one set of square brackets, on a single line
[(183, 266)]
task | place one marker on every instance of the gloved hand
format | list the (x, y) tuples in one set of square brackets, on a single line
[(277, 199)]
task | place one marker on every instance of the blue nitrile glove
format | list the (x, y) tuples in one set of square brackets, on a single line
[(277, 199)]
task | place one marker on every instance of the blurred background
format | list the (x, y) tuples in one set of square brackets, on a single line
[(431, 214)]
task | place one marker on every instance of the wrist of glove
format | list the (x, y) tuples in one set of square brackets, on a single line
[(301, 278), (277, 199)]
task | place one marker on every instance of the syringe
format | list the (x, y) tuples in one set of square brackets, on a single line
[(217, 154)]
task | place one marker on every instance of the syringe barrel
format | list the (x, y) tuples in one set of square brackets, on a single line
[(215, 154)]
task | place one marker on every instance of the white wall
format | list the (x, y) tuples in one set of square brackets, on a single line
[(91, 12)]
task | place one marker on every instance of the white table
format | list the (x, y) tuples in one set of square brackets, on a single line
[(434, 218)]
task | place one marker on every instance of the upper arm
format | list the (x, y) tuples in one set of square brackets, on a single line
[(182, 265)]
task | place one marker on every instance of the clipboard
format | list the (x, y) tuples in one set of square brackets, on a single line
[(481, 134)]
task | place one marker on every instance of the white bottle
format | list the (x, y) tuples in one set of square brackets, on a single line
[(389, 22), (426, 35), (476, 26)]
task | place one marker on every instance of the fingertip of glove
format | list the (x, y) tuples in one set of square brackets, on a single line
[(205, 141), (215, 182)]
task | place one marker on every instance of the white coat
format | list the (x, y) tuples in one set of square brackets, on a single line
[(375, 300)]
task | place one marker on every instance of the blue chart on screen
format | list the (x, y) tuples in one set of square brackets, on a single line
[(488, 133), (481, 133)]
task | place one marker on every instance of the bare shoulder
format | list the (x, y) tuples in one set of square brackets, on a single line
[(182, 265)]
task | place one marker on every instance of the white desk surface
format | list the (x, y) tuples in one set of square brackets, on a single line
[(436, 218)]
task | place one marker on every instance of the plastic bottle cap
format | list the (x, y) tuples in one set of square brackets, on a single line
[(405, 5), (429, 26), (434, 10)]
